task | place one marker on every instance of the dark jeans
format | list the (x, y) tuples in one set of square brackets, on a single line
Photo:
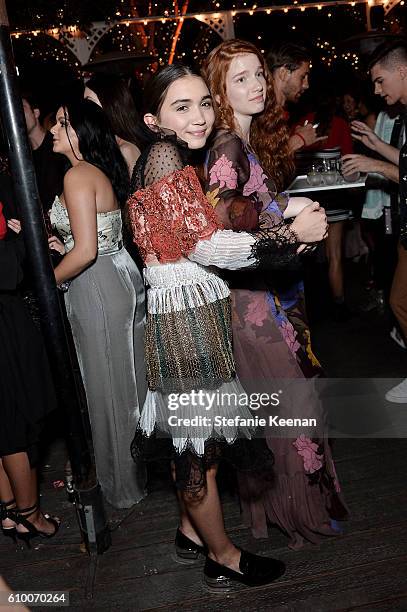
[(382, 253)]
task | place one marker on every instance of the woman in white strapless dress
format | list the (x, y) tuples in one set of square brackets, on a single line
[(105, 299)]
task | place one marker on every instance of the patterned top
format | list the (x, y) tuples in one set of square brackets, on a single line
[(171, 218), (109, 228), (244, 197)]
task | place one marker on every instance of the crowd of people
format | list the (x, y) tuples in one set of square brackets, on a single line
[(189, 200)]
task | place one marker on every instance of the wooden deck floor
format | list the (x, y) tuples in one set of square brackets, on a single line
[(364, 569)]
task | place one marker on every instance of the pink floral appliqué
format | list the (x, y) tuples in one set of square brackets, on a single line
[(222, 172), (258, 309), (289, 335), (256, 182), (308, 451)]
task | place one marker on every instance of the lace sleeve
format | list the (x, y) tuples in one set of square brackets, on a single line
[(227, 172), (270, 249), (170, 216), (163, 158)]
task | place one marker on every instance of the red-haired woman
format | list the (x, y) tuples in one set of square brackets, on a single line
[(247, 164)]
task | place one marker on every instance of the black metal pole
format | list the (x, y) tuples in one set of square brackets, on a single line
[(95, 532)]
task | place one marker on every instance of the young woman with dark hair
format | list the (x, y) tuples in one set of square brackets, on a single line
[(113, 95), (104, 304), (188, 333), (268, 310)]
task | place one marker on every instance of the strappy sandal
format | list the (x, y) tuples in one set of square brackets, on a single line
[(8, 512), (32, 532)]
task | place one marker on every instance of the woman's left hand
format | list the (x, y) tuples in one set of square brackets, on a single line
[(56, 245), (15, 225)]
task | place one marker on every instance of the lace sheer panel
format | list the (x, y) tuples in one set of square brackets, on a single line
[(172, 214), (163, 159), (227, 173), (275, 248)]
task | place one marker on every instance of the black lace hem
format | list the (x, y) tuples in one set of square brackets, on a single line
[(275, 248), (246, 455)]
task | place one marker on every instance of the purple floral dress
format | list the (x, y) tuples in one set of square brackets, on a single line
[(271, 346)]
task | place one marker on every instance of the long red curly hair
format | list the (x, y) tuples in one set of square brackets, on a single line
[(268, 132)]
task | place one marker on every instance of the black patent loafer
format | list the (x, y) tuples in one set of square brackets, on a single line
[(186, 551), (256, 571)]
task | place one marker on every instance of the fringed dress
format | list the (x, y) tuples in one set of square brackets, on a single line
[(188, 334)]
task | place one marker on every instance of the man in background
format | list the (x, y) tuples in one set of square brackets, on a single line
[(388, 71), (50, 167), (290, 65)]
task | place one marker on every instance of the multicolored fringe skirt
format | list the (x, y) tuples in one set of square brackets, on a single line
[(194, 397)]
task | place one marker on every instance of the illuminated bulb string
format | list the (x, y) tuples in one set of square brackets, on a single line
[(166, 22)]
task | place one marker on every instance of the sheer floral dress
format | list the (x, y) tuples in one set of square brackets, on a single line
[(272, 350), (188, 333)]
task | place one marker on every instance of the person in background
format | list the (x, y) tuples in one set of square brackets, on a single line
[(49, 166), (289, 64), (27, 394), (356, 107), (380, 211), (388, 71), (350, 106), (104, 309), (113, 95), (337, 134)]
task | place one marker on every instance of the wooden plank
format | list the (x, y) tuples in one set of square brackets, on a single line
[(389, 604), (377, 503), (339, 587), (137, 572), (152, 585)]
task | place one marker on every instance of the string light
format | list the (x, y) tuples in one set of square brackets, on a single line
[(135, 39), (234, 12)]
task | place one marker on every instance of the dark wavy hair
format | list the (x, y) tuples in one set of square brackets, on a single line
[(288, 54), (268, 132), (97, 143), (118, 104)]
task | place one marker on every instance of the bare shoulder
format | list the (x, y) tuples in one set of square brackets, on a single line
[(84, 176)]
